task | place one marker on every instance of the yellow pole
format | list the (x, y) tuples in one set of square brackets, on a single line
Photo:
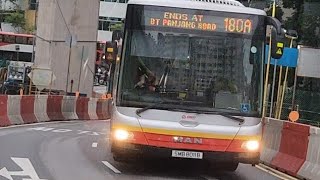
[(268, 67), (279, 91), (284, 85)]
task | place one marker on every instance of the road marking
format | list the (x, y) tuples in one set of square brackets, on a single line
[(115, 170), (27, 170), (53, 122), (275, 172), (56, 130), (95, 144)]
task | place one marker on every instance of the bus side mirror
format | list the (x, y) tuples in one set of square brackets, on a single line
[(277, 45), (277, 35)]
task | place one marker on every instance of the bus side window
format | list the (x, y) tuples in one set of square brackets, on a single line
[(1, 38), (21, 40), (9, 39), (30, 40)]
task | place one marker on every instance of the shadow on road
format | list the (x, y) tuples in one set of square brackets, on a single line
[(177, 169)]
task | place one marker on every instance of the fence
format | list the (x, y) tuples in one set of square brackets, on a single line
[(308, 104)]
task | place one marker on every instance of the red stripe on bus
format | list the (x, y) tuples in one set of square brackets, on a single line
[(208, 144), (4, 44)]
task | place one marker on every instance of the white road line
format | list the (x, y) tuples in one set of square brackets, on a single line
[(95, 145), (275, 172), (208, 178), (111, 167), (51, 122), (41, 123)]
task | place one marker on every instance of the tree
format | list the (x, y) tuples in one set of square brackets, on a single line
[(16, 19), (14, 16), (310, 30), (279, 13)]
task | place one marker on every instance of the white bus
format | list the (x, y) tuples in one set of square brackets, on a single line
[(189, 82)]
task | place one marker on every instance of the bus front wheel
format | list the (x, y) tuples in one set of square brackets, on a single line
[(232, 166)]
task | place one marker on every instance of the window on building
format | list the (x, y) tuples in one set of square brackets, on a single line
[(32, 4), (109, 23)]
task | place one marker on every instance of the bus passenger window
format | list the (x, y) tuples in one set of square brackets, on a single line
[(21, 40), (9, 39), (1, 38), (30, 40)]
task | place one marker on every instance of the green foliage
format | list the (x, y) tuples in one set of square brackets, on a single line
[(16, 19), (279, 13), (310, 30), (117, 26), (15, 16)]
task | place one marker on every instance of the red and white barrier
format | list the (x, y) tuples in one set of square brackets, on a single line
[(54, 108), (15, 110), (271, 139), (103, 109), (40, 108), (92, 108), (311, 167), (69, 108), (292, 148), (82, 108), (4, 119)]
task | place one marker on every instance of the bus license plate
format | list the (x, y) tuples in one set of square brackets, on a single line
[(187, 154)]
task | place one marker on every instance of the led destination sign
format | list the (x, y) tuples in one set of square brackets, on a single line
[(199, 22)]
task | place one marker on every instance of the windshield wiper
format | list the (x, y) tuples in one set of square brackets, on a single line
[(139, 111), (240, 120)]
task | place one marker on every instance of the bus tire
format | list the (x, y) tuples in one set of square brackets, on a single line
[(231, 166), (119, 157)]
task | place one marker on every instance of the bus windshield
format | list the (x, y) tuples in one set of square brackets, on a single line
[(170, 57)]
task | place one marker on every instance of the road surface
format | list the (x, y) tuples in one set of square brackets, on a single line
[(79, 150)]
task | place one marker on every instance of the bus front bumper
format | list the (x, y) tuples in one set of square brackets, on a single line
[(129, 150)]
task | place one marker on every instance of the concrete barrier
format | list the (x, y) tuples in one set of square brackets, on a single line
[(69, 107), (4, 119), (82, 108), (27, 109), (293, 148), (92, 108), (54, 108), (272, 133), (14, 112), (40, 108), (103, 109), (311, 168)]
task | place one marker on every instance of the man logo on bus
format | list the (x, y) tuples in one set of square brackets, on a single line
[(187, 140)]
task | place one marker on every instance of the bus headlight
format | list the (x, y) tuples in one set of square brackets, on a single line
[(251, 145), (121, 135)]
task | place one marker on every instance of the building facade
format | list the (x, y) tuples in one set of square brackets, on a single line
[(111, 16)]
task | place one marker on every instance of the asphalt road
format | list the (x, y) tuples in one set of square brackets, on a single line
[(79, 150)]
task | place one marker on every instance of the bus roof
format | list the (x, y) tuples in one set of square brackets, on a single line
[(15, 34), (213, 5)]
